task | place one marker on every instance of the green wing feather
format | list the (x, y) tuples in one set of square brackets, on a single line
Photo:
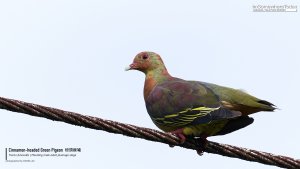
[(184, 117), (241, 101)]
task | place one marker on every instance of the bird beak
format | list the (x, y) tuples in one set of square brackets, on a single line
[(127, 68), (131, 67)]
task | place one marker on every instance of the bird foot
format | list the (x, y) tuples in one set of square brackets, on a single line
[(179, 133), (201, 143)]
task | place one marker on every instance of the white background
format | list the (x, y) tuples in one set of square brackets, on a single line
[(71, 55)]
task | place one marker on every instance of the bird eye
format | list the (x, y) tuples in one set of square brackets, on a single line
[(145, 57)]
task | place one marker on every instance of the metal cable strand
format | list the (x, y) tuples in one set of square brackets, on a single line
[(145, 133)]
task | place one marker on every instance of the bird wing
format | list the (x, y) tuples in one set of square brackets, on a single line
[(239, 100), (179, 103)]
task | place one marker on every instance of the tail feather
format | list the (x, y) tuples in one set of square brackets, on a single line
[(267, 105)]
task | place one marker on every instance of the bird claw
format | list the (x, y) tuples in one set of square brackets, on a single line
[(180, 135), (200, 152), (170, 145), (201, 143)]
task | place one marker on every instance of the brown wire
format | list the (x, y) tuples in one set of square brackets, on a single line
[(145, 133)]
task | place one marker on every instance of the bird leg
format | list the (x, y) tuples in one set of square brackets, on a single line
[(200, 141), (201, 144), (179, 133)]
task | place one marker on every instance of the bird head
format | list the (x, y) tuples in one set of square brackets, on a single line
[(145, 62)]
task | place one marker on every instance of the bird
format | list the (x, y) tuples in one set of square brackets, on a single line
[(193, 109)]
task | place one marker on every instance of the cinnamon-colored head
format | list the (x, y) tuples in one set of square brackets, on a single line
[(146, 61)]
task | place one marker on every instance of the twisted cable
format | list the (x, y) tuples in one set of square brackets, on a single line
[(145, 133)]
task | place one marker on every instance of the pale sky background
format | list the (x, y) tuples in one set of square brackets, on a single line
[(71, 55)]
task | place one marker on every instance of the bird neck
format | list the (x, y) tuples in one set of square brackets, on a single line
[(153, 78)]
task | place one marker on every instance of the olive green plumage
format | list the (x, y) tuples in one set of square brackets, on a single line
[(193, 108)]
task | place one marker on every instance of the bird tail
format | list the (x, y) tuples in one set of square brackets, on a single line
[(267, 105)]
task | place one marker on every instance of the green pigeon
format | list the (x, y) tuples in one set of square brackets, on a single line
[(193, 108)]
